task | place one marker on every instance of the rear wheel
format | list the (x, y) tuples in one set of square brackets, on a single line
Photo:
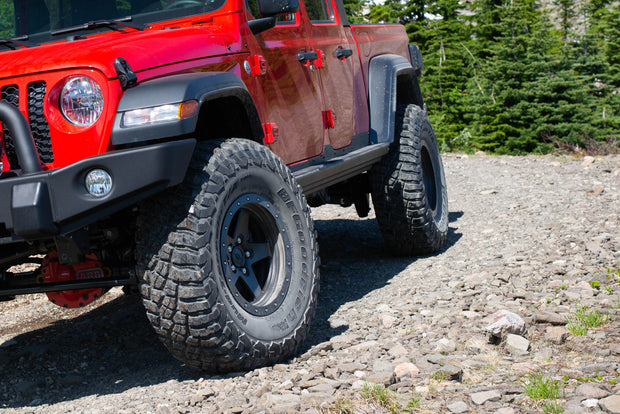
[(409, 187), (229, 260)]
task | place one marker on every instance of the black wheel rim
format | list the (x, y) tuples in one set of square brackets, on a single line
[(255, 255), (428, 177)]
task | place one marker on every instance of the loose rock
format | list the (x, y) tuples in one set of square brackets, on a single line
[(517, 345), (458, 407), (405, 369), (556, 334), (549, 317), (611, 404), (530, 247), (480, 398), (591, 391), (504, 322)]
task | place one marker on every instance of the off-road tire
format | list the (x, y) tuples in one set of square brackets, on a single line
[(204, 309), (409, 187)]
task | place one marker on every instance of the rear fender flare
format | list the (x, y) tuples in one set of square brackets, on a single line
[(392, 80), (202, 87)]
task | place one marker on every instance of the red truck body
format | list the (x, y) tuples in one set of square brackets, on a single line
[(175, 146), (220, 41)]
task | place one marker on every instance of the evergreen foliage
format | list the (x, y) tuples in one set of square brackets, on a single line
[(512, 76)]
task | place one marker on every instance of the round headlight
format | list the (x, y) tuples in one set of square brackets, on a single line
[(81, 101)]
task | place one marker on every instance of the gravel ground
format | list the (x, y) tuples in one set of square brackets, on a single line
[(537, 236)]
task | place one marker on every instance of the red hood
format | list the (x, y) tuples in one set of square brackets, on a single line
[(142, 50)]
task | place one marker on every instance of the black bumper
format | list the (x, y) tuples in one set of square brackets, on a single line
[(43, 204)]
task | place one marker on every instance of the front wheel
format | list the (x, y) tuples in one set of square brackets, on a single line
[(409, 187), (229, 260)]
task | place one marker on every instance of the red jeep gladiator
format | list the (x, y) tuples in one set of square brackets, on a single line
[(176, 146)]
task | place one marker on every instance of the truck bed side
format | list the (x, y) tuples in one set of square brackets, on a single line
[(379, 39)]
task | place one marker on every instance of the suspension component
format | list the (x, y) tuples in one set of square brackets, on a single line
[(52, 271)]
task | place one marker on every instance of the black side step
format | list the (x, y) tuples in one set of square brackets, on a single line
[(320, 176)]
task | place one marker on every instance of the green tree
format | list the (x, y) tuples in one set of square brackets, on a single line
[(513, 54), (440, 31), (7, 24), (566, 10), (387, 12), (354, 10)]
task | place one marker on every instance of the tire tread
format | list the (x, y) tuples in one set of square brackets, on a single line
[(181, 301)]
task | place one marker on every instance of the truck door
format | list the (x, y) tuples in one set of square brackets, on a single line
[(289, 88), (327, 34)]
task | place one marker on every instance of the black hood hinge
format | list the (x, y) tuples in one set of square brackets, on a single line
[(126, 75)]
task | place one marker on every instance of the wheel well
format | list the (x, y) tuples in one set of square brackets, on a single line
[(223, 118), (408, 89)]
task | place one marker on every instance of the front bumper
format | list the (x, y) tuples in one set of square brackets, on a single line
[(47, 203)]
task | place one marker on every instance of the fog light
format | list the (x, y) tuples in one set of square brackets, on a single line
[(98, 183)]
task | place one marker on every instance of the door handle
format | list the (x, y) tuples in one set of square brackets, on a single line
[(305, 57), (343, 53)]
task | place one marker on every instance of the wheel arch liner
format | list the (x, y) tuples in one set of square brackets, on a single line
[(202, 87), (391, 80)]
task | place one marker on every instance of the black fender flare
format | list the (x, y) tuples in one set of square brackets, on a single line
[(202, 87), (391, 80)]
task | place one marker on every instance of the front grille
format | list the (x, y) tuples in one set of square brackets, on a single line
[(10, 93), (38, 124)]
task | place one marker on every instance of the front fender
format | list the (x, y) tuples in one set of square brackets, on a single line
[(202, 87)]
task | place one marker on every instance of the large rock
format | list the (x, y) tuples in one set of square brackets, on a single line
[(611, 404), (504, 322)]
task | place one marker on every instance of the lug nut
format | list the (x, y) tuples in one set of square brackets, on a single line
[(244, 271), (233, 268), (239, 240), (230, 249), (248, 254)]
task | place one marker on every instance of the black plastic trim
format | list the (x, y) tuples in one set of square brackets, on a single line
[(260, 25), (383, 72), (174, 89), (319, 176), (270, 8), (415, 55), (61, 203), (304, 57), (342, 13), (329, 153), (32, 209), (343, 53)]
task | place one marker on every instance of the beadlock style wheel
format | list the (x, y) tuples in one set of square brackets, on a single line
[(256, 257)]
